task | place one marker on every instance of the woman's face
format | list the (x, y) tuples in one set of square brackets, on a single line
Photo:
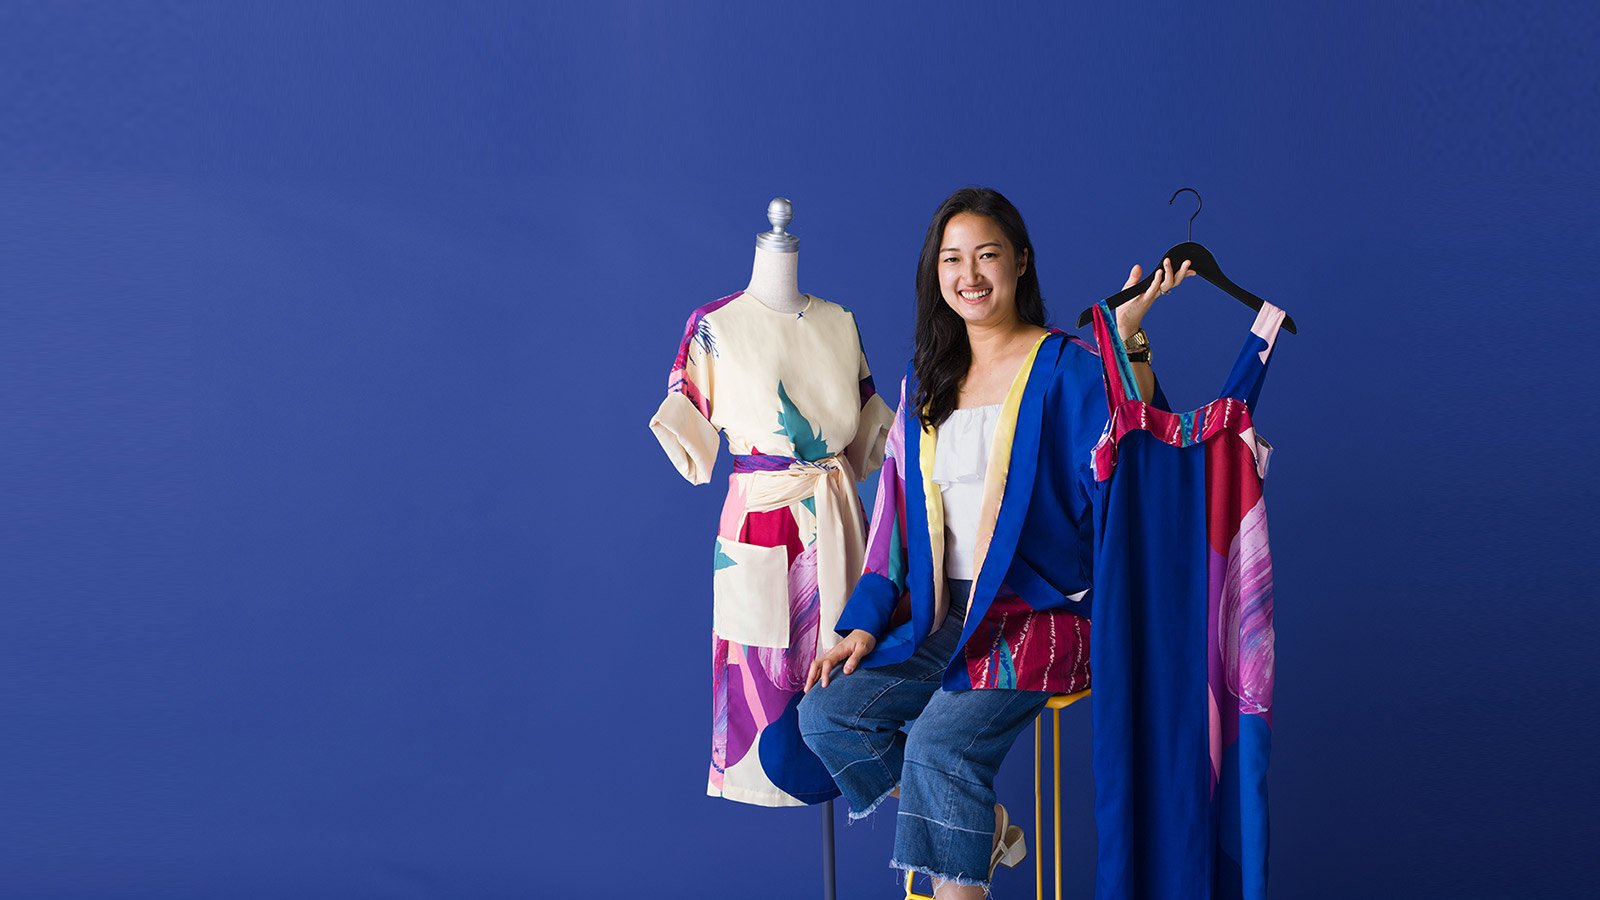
[(978, 270)]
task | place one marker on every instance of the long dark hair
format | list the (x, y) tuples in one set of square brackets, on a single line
[(943, 353)]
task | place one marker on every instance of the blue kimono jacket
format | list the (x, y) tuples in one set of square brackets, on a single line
[(1027, 617)]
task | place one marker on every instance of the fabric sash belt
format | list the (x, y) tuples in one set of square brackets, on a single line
[(840, 536)]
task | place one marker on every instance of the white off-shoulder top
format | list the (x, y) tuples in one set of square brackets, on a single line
[(960, 459)]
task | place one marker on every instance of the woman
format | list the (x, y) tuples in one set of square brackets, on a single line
[(979, 554)]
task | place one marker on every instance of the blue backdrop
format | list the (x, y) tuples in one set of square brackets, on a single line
[(338, 560)]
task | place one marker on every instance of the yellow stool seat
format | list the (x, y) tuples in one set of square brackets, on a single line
[(1062, 701), (1057, 703)]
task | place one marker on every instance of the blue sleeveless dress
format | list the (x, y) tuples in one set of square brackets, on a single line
[(1182, 654)]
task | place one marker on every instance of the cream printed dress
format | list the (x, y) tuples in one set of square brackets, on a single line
[(794, 396)]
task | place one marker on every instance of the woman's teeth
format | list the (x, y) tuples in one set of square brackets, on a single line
[(974, 295)]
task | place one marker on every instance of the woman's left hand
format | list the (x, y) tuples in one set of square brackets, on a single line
[(1131, 314)]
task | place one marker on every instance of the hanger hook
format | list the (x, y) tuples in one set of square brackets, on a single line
[(1200, 204)]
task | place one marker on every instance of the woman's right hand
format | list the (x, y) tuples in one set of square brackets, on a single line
[(850, 650)]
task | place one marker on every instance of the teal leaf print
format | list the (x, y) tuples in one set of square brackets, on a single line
[(1006, 677), (723, 560), (808, 445), (897, 558)]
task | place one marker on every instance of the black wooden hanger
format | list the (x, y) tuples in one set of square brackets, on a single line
[(1201, 262)]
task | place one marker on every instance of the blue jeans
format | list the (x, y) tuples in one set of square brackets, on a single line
[(944, 763)]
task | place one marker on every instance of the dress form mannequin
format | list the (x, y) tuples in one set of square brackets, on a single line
[(774, 279), (784, 376)]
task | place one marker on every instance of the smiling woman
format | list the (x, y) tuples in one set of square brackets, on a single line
[(979, 560)]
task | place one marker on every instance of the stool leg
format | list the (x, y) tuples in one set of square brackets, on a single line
[(1056, 746), (912, 894), (1038, 809)]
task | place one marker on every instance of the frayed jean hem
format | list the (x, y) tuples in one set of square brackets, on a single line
[(873, 806), (962, 880)]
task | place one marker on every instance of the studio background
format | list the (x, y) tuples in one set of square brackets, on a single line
[(338, 560)]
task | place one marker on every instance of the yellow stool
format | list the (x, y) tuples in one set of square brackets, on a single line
[(1057, 703)]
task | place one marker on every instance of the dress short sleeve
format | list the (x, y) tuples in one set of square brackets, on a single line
[(865, 452), (682, 423)]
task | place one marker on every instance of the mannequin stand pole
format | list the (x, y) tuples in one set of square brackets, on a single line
[(828, 887)]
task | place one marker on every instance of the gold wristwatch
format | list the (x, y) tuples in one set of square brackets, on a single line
[(1138, 347)]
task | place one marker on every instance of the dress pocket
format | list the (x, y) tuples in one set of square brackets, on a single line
[(750, 594)]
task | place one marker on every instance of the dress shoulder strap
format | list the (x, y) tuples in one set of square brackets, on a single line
[(1120, 383), (1250, 371)]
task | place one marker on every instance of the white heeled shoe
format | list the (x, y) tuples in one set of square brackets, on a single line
[(1012, 847)]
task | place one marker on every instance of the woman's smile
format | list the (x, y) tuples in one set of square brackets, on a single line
[(974, 295)]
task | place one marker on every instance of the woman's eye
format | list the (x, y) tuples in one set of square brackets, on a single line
[(988, 254), (948, 259)]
